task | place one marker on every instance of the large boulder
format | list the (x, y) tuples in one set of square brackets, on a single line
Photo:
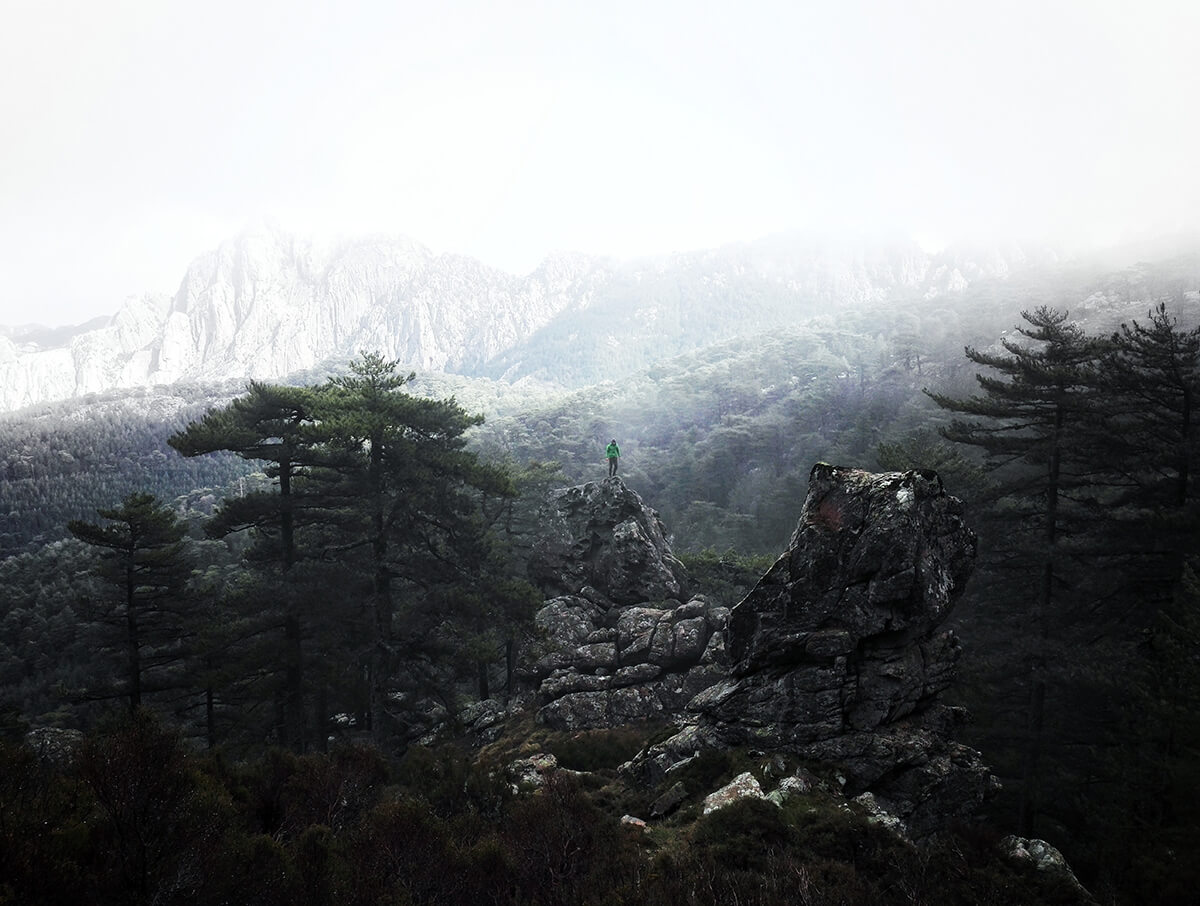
[(875, 558), (602, 535), (837, 654)]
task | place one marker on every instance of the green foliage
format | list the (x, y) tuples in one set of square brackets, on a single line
[(44, 836), (743, 835), (726, 577), (157, 820), (565, 850), (817, 851), (452, 783), (49, 652), (144, 558)]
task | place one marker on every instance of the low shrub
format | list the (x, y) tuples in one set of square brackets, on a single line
[(598, 750)]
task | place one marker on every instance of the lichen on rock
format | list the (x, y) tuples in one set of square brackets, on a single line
[(602, 534)]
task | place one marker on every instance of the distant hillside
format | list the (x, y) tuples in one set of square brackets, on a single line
[(64, 460), (721, 439), (653, 309), (716, 437)]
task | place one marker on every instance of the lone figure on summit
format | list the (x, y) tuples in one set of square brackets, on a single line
[(613, 452)]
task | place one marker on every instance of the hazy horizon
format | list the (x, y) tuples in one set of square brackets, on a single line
[(144, 135)]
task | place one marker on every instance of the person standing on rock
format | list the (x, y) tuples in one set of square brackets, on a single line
[(613, 452)]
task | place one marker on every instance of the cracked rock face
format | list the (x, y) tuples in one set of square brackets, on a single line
[(602, 535), (875, 557), (836, 655), (841, 633), (598, 667)]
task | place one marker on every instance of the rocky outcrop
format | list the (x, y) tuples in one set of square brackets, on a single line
[(1045, 858), (602, 535), (597, 667), (743, 786), (837, 655), (619, 641)]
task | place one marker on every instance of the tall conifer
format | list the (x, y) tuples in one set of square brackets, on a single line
[(1027, 421), (142, 556), (407, 510), (270, 424)]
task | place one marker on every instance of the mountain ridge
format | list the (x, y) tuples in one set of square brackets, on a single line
[(267, 304)]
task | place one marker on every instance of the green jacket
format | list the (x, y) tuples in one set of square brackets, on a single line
[(612, 451)]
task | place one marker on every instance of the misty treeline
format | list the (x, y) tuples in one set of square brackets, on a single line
[(1083, 622), (358, 583), (720, 439)]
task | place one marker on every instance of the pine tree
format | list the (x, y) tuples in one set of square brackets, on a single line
[(1027, 422), (271, 424), (378, 497), (407, 507), (1151, 379), (1148, 761), (1152, 375), (144, 559)]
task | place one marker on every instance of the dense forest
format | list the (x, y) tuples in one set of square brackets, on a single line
[(62, 461), (1068, 428)]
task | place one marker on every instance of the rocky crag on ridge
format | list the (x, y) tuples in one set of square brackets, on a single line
[(622, 641), (837, 655), (836, 658)]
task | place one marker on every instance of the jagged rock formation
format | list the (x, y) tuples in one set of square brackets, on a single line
[(837, 655), (266, 305), (601, 534), (618, 642), (1044, 857)]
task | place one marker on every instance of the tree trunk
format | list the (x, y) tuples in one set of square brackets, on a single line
[(321, 718), (210, 724), (1035, 725), (380, 656), (133, 647), (293, 705)]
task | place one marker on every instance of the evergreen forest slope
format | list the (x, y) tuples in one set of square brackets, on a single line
[(718, 438)]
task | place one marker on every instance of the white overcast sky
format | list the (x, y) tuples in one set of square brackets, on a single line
[(136, 134)]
